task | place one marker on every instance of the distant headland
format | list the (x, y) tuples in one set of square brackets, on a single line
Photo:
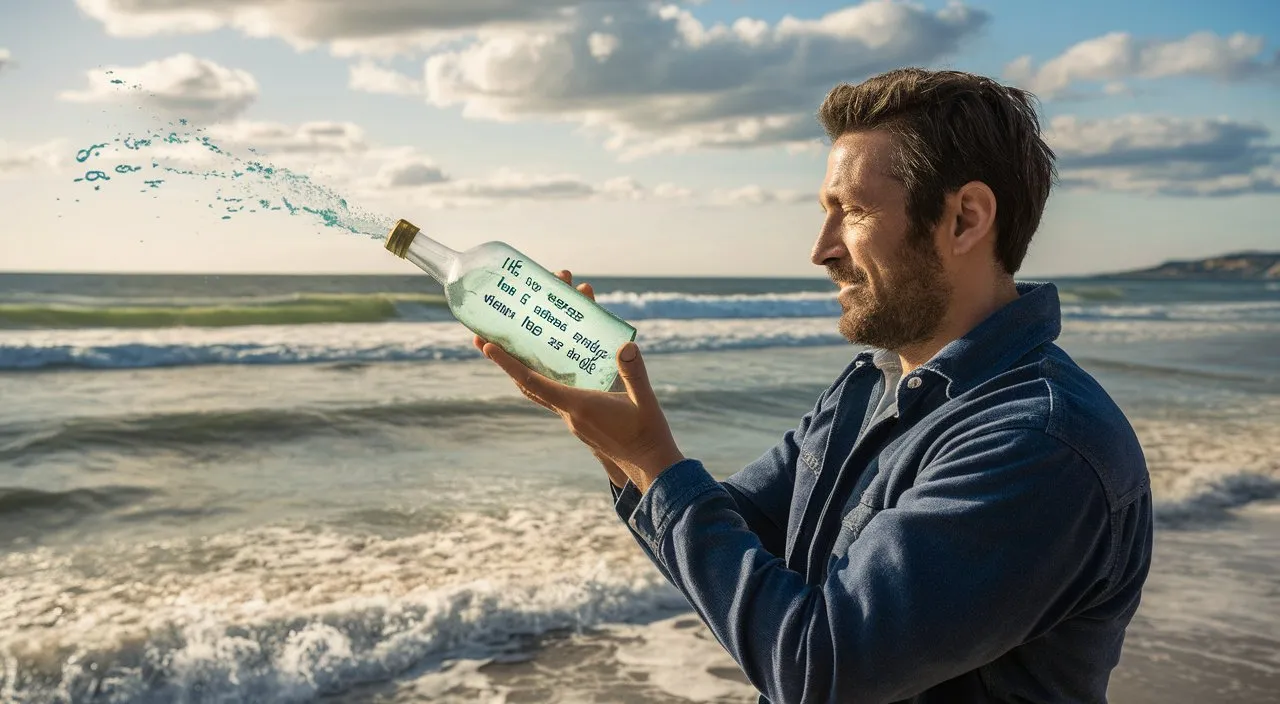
[(1238, 266)]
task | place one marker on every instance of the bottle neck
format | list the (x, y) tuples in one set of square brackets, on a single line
[(432, 257)]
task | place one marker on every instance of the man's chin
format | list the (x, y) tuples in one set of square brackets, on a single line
[(849, 327)]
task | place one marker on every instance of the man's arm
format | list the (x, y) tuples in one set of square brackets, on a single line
[(999, 539), (761, 491), (625, 500)]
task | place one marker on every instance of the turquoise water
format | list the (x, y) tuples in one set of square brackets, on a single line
[(251, 185)]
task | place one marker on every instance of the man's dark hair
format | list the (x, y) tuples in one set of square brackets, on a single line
[(952, 128)]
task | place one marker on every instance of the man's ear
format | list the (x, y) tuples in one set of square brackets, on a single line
[(974, 210)]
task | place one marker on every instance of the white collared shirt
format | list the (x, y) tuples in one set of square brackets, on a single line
[(891, 367)]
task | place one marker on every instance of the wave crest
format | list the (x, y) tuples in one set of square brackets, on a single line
[(294, 613), (1214, 500), (111, 349), (291, 310)]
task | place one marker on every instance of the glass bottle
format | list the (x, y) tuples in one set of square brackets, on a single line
[(508, 299)]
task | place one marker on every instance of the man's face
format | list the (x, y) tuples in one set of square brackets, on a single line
[(893, 288)]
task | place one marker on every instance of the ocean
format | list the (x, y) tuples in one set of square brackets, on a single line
[(294, 489)]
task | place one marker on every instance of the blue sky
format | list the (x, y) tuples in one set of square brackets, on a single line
[(610, 136)]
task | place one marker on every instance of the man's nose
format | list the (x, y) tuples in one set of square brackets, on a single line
[(830, 245)]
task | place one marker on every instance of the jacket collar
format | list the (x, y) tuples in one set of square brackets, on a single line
[(1029, 321), (1032, 319)]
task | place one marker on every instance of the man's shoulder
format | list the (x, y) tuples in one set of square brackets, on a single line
[(1047, 393)]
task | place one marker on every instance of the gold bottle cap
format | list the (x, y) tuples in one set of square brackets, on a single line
[(401, 237)]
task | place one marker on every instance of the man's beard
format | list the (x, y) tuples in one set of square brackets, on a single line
[(911, 307)]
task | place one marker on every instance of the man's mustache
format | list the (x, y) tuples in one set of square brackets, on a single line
[(845, 273)]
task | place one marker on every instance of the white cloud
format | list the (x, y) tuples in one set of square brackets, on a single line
[(338, 155), (648, 77), (411, 172), (16, 159), (336, 150), (670, 191), (756, 195), (308, 138), (673, 83), (364, 27), (420, 180), (1156, 155), (602, 45), (6, 59), (369, 77), (1117, 88), (1119, 56), (508, 184), (184, 85), (623, 188)]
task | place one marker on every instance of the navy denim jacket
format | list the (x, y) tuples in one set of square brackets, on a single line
[(989, 543)]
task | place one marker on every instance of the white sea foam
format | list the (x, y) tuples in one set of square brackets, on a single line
[(1219, 311), (285, 614), (1202, 467), (671, 659), (64, 311), (684, 306), (119, 348), (294, 344)]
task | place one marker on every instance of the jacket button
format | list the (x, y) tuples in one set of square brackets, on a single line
[(914, 382)]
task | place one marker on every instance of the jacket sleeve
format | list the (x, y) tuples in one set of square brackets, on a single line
[(999, 539), (761, 491), (625, 501)]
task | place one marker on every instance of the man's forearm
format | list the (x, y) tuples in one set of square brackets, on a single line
[(625, 499), (922, 597)]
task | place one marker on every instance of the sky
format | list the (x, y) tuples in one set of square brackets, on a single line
[(610, 137)]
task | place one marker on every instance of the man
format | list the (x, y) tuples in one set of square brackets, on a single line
[(965, 515)]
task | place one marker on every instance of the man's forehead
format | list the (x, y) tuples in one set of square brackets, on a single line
[(861, 161)]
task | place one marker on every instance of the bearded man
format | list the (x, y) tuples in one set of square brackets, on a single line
[(965, 515)]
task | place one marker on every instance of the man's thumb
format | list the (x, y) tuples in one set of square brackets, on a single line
[(634, 376)]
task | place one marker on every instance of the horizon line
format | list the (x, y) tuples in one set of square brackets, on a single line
[(349, 274)]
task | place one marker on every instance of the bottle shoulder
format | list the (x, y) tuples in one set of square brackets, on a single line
[(493, 247), (493, 253)]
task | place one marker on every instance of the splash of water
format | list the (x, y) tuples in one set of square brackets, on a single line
[(253, 185), (88, 152)]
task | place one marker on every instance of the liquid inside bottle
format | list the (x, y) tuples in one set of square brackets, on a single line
[(508, 299)]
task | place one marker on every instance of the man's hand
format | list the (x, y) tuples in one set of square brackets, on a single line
[(626, 431)]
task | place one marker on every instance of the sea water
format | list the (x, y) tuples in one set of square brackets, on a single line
[(248, 184), (371, 511)]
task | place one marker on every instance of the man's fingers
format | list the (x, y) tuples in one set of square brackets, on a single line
[(567, 276), (534, 397), (525, 377), (479, 342), (635, 376)]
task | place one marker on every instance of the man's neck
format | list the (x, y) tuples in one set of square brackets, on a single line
[(968, 309)]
